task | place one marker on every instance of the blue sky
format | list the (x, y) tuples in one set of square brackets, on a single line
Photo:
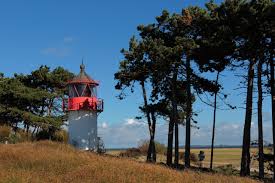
[(61, 33)]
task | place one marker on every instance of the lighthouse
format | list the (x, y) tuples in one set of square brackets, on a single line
[(83, 108)]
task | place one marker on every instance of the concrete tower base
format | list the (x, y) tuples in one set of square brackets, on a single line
[(83, 129)]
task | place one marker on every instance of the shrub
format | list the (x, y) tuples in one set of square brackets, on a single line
[(5, 132), (143, 147), (193, 157), (42, 135), (226, 170), (19, 136), (14, 138), (24, 136), (61, 136), (131, 152)]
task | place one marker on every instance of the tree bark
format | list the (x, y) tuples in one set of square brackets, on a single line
[(149, 152), (169, 153), (188, 114), (50, 107), (173, 119), (176, 160), (27, 130), (245, 161), (214, 123), (260, 120), (272, 85), (152, 137), (34, 129)]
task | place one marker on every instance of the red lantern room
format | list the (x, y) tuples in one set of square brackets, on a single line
[(83, 93)]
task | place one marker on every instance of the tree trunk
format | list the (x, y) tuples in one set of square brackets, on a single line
[(27, 130), (260, 120), (149, 152), (272, 85), (188, 114), (34, 129), (152, 137), (173, 118), (169, 153), (50, 107), (214, 123), (245, 161), (176, 160)]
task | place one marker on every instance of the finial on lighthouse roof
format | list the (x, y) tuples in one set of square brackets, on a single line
[(82, 66)]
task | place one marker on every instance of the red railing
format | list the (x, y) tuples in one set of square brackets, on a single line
[(83, 103)]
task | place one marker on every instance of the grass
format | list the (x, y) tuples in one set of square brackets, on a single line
[(52, 162), (222, 156)]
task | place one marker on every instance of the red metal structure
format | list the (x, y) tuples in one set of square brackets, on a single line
[(83, 93)]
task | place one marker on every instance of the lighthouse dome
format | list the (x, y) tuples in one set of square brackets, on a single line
[(83, 77)]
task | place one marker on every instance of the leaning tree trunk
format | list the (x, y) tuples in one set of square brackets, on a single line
[(176, 160), (260, 120), (214, 123), (245, 161), (272, 85), (188, 114), (149, 152)]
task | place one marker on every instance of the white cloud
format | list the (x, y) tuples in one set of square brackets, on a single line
[(68, 39), (104, 125), (132, 121), (124, 134), (129, 132), (62, 50), (59, 52)]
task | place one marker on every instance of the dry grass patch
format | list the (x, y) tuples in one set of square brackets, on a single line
[(53, 162)]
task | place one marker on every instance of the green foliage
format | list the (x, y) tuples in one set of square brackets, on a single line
[(35, 99)]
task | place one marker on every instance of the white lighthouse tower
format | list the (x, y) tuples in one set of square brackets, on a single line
[(83, 108)]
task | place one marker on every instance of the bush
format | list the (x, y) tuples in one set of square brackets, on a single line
[(143, 147), (24, 136), (226, 170), (131, 152), (61, 136), (58, 135), (19, 136), (43, 135), (5, 132), (14, 138), (193, 157)]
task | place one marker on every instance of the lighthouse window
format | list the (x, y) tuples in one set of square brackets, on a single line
[(93, 90), (86, 92), (72, 92), (80, 88)]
